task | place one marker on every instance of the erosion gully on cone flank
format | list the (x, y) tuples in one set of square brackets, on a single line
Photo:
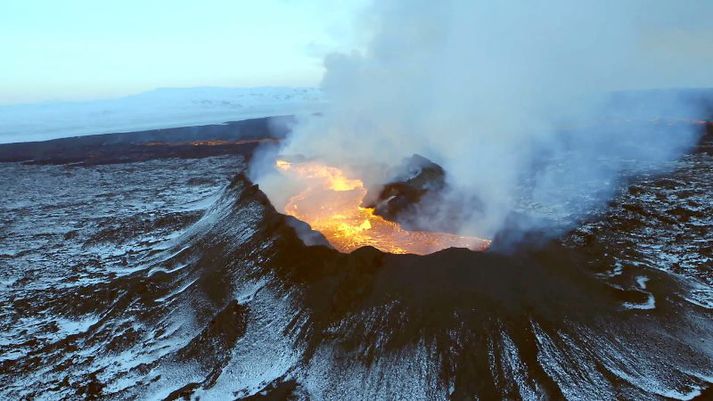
[(187, 288), (331, 204)]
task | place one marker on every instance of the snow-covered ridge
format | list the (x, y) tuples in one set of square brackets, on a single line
[(160, 108)]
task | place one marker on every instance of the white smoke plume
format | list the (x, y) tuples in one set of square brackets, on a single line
[(512, 98)]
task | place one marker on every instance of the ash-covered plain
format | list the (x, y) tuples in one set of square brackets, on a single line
[(175, 278)]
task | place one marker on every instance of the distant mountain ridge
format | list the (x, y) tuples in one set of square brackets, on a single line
[(159, 108)]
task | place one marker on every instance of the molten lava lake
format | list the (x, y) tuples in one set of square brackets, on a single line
[(331, 203)]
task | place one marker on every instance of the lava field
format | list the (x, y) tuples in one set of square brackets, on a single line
[(176, 278)]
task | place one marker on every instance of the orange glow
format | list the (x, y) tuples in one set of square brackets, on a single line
[(330, 203), (214, 142)]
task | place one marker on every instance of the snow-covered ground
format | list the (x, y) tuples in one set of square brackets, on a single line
[(160, 108)]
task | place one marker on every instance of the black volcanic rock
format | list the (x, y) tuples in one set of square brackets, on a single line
[(238, 307), (306, 233), (415, 177), (236, 137), (416, 198)]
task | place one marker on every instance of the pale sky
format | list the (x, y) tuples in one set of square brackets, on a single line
[(92, 49), (88, 49)]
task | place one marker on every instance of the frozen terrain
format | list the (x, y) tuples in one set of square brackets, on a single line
[(176, 279), (160, 108)]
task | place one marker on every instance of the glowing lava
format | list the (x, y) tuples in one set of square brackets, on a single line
[(330, 203)]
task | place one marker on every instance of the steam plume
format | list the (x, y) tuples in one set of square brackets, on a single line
[(507, 97)]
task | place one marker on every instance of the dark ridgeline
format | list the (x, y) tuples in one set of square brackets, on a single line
[(661, 110), (239, 306), (237, 137), (311, 322)]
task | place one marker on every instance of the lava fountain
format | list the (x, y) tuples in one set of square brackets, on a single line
[(330, 202)]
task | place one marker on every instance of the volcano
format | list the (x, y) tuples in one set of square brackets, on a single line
[(201, 289)]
